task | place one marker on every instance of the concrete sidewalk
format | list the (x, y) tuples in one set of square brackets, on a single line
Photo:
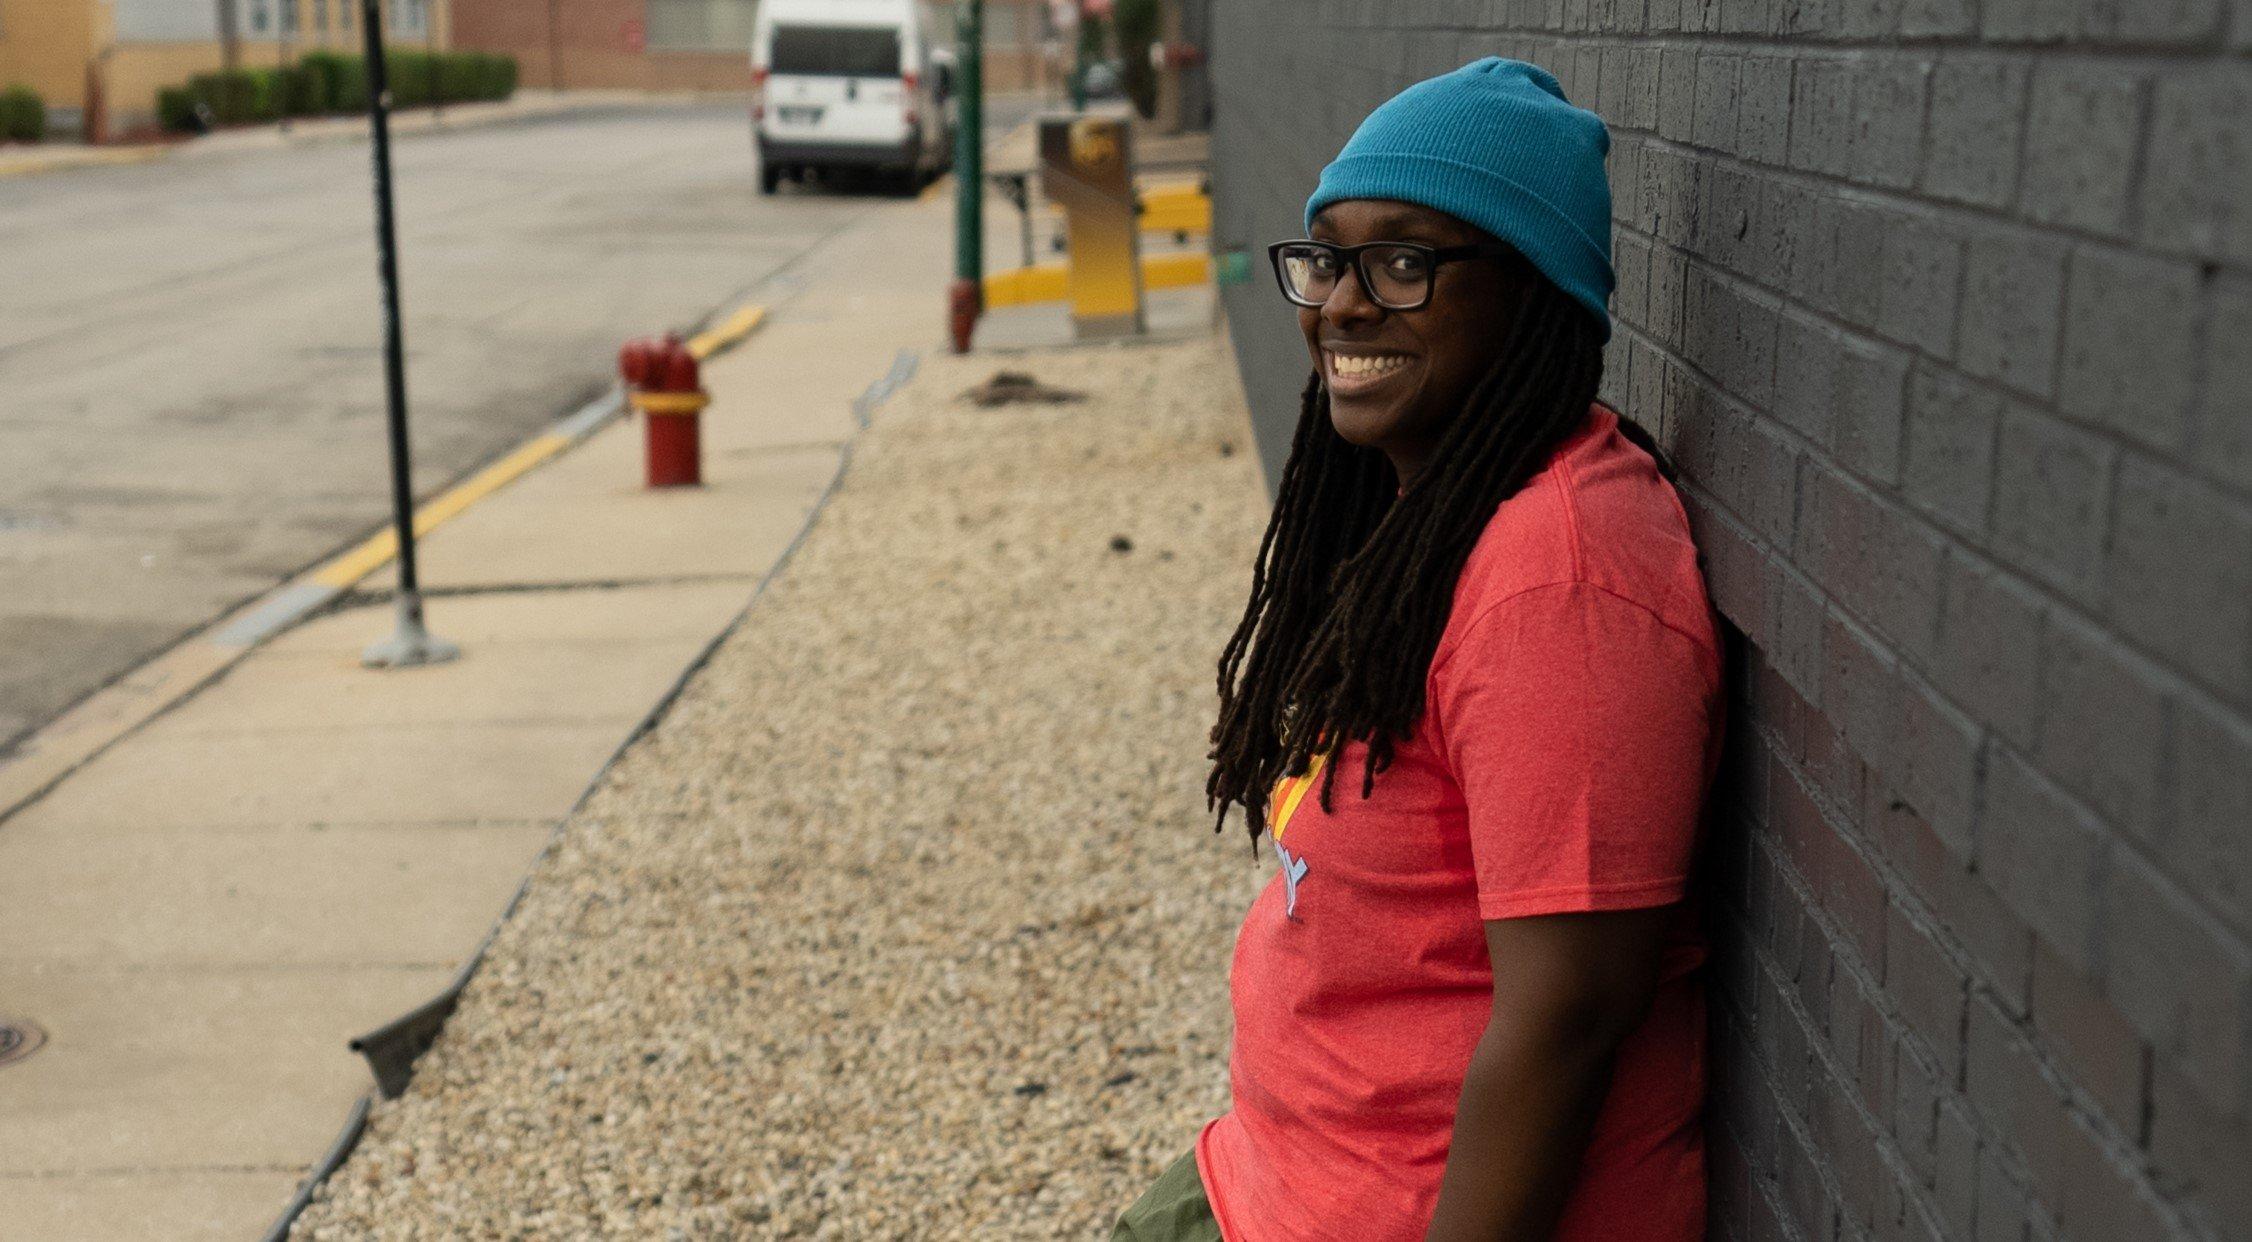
[(300, 850)]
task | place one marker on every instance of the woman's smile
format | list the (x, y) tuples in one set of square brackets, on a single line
[(1360, 372)]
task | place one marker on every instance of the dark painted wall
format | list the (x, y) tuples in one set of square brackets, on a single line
[(1943, 307)]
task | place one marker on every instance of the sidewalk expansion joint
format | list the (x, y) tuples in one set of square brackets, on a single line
[(141, 1170), (369, 597), (413, 726), (93, 966), (217, 826)]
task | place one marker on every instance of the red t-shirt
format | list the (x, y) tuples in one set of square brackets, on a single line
[(1571, 728)]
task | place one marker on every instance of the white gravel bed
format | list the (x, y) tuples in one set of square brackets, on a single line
[(908, 921)]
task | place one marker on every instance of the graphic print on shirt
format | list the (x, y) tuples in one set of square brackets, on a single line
[(1289, 792)]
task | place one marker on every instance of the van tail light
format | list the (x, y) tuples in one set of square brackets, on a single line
[(758, 92), (910, 87)]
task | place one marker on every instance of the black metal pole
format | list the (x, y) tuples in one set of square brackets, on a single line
[(387, 263), (412, 644)]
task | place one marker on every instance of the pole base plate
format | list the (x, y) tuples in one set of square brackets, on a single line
[(412, 644)]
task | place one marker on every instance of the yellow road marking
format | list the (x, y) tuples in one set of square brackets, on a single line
[(377, 550), (83, 159)]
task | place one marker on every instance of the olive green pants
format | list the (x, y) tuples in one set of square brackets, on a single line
[(1173, 1209)]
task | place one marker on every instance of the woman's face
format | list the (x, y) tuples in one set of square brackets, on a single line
[(1396, 378)]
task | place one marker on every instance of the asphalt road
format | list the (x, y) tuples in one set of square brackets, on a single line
[(191, 396)]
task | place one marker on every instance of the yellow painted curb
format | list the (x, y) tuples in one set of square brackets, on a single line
[(1050, 282), (97, 158), (734, 328), (377, 550)]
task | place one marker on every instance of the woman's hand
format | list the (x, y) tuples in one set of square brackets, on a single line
[(1567, 989)]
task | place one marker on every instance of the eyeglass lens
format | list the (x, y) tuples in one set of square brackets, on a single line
[(1394, 276)]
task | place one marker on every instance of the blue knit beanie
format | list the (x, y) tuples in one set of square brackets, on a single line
[(1494, 144)]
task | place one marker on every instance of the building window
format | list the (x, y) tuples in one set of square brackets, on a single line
[(701, 25), (410, 17), (164, 21)]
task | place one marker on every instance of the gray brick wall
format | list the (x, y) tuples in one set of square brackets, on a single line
[(1944, 309)]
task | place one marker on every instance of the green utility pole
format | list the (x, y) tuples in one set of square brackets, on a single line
[(1084, 55), (968, 296)]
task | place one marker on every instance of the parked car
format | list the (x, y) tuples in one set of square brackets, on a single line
[(851, 84)]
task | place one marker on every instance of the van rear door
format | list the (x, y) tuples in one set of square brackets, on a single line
[(835, 84)]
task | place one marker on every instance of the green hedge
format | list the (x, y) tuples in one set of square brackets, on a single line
[(23, 116), (330, 82)]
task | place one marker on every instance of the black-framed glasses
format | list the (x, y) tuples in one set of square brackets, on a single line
[(1394, 275)]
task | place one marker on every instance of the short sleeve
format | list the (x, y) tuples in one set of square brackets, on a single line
[(1580, 728)]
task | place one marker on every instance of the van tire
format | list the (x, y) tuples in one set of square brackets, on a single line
[(769, 178)]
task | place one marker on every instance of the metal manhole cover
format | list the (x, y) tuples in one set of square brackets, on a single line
[(18, 1039)]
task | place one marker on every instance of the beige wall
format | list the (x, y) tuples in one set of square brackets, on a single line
[(45, 44), (134, 72)]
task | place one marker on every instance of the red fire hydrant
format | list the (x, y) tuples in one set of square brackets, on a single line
[(662, 382)]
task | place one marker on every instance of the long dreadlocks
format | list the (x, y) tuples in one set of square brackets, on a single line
[(1352, 587)]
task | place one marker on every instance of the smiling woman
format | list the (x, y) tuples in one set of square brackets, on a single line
[(1469, 1005)]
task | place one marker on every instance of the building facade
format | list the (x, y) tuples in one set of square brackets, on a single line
[(699, 45), (128, 50)]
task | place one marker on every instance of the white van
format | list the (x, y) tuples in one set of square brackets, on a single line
[(851, 84)]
